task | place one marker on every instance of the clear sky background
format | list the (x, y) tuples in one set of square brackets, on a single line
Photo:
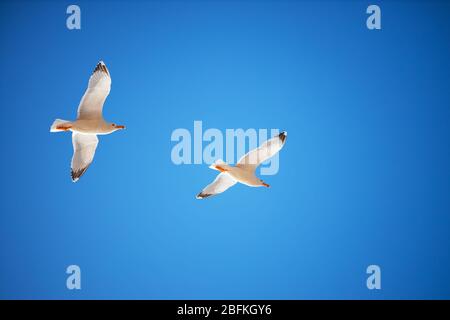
[(364, 176)]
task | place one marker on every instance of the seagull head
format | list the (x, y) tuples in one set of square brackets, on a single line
[(264, 184), (117, 127)]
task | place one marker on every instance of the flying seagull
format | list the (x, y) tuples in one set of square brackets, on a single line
[(89, 123), (244, 171)]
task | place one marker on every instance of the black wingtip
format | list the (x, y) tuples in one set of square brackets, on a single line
[(77, 174), (283, 136), (202, 195), (101, 66)]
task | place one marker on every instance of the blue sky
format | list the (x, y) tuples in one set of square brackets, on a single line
[(364, 176)]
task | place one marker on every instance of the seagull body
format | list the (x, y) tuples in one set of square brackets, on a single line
[(89, 123), (244, 171)]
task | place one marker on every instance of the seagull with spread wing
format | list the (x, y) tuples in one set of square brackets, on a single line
[(89, 123), (244, 171)]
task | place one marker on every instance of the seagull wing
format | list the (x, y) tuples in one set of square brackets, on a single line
[(84, 146), (268, 149), (91, 105), (222, 182)]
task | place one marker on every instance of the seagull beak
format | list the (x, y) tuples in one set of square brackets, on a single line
[(265, 185), (120, 127)]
